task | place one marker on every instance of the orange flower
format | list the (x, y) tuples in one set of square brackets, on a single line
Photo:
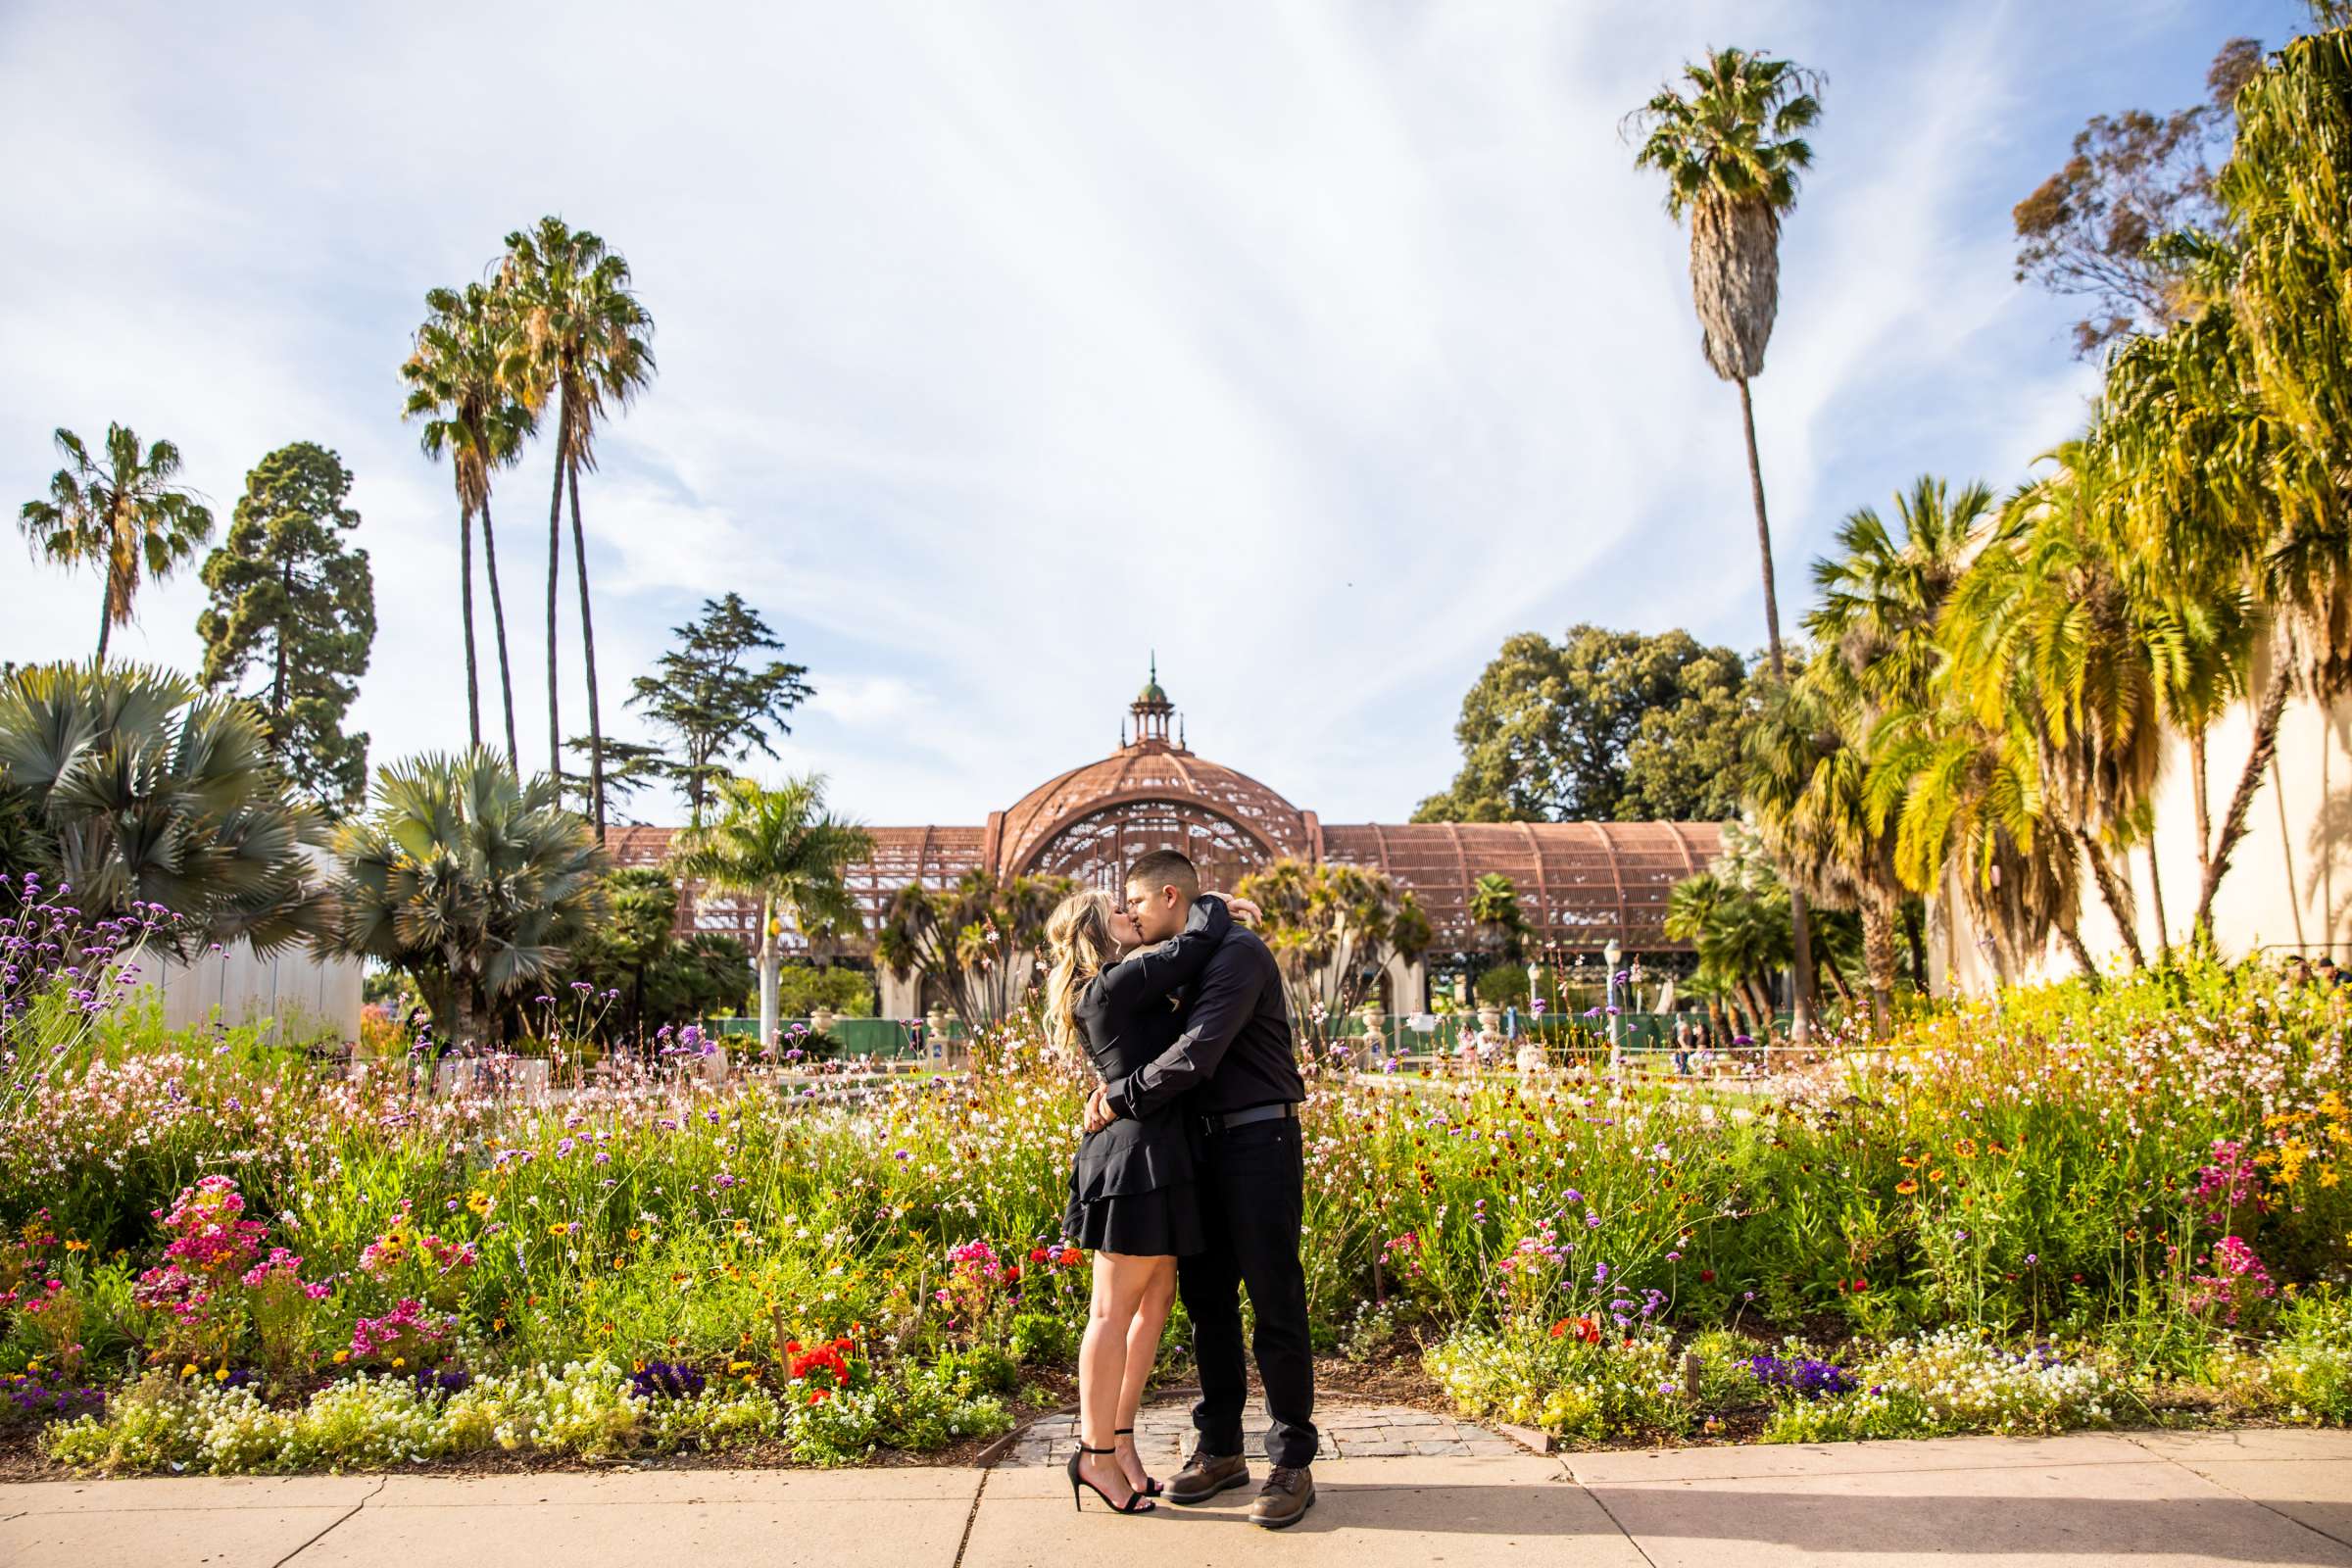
[(1906, 1187)]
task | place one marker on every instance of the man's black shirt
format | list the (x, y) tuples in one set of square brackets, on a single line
[(1235, 1050)]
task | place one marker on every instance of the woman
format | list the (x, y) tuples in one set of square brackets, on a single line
[(1131, 1186)]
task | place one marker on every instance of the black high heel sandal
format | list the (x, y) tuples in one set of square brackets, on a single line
[(1137, 1502), (1150, 1483)]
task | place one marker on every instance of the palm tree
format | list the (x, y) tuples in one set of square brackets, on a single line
[(124, 518), (975, 938), (589, 346), (2107, 658), (2231, 433), (1882, 594), (1730, 150), (140, 790), (783, 848), (1496, 915), (468, 879), (457, 385), (1333, 929)]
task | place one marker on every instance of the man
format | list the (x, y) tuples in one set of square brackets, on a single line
[(1235, 1064)]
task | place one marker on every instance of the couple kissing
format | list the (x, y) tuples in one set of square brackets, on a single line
[(1190, 1180)]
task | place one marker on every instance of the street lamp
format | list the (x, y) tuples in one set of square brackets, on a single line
[(1609, 955)]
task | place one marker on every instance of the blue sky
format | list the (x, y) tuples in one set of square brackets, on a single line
[(1319, 347)]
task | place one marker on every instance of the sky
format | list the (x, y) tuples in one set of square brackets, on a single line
[(1315, 347)]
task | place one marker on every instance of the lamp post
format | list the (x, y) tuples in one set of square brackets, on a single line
[(1609, 955)]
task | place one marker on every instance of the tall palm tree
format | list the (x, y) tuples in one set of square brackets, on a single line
[(783, 848), (124, 516), (1731, 148), (457, 377), (589, 347), (470, 880)]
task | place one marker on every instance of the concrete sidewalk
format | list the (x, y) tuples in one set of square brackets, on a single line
[(2253, 1498)]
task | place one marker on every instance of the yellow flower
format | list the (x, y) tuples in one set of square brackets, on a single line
[(220, 1376), (559, 1229), (77, 1247), (1906, 1187), (399, 1361), (1908, 1163), (1966, 1148), (342, 1356), (189, 1371), (1936, 1175)]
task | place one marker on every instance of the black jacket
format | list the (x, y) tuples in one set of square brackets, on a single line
[(1130, 1015), (1235, 1050)]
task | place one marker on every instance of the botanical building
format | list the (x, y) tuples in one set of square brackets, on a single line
[(1579, 884)]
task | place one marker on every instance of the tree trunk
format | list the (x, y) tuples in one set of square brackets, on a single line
[(1800, 934), (1845, 993), (768, 974), (555, 580), (106, 612), (2114, 894), (498, 622), (596, 731), (2164, 936), (2196, 778), (2241, 800), (473, 679), (1915, 936), (1878, 961), (2074, 945), (278, 685)]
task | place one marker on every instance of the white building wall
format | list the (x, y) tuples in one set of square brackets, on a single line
[(305, 996), (2289, 881)]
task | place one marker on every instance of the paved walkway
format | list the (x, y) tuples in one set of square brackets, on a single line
[(2255, 1497)]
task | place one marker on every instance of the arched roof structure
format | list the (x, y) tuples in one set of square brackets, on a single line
[(1579, 883)]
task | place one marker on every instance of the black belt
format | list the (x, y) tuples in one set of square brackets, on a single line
[(1280, 1110)]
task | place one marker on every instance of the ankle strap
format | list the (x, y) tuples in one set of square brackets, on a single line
[(1083, 1448), (1124, 1432)]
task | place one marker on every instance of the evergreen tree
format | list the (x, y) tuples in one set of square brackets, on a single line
[(292, 600), (713, 701)]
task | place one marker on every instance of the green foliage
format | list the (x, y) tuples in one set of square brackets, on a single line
[(802, 989), (715, 705), (288, 594), (470, 880), (968, 937), (134, 789), (1601, 724), (633, 949), (1333, 928)]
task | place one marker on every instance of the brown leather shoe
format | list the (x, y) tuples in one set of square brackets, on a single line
[(1204, 1475), (1285, 1498)]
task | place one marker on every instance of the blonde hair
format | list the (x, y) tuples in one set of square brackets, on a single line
[(1079, 934)]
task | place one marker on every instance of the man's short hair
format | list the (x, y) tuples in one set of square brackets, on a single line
[(1166, 868)]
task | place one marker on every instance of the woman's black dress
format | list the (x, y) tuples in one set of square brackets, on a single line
[(1130, 1185)]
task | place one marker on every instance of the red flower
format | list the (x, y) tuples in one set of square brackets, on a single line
[(1038, 1254), (1706, 1276), (1859, 1286)]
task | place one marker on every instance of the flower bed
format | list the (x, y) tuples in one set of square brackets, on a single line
[(261, 1269)]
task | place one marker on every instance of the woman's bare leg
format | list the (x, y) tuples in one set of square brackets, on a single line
[(1143, 1349), (1119, 1282)]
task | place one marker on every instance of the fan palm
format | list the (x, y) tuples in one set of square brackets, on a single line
[(140, 791), (468, 879), (457, 385), (1731, 148), (783, 848), (588, 346), (1496, 915), (124, 515)]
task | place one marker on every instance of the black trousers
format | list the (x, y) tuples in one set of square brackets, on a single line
[(1253, 1186)]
